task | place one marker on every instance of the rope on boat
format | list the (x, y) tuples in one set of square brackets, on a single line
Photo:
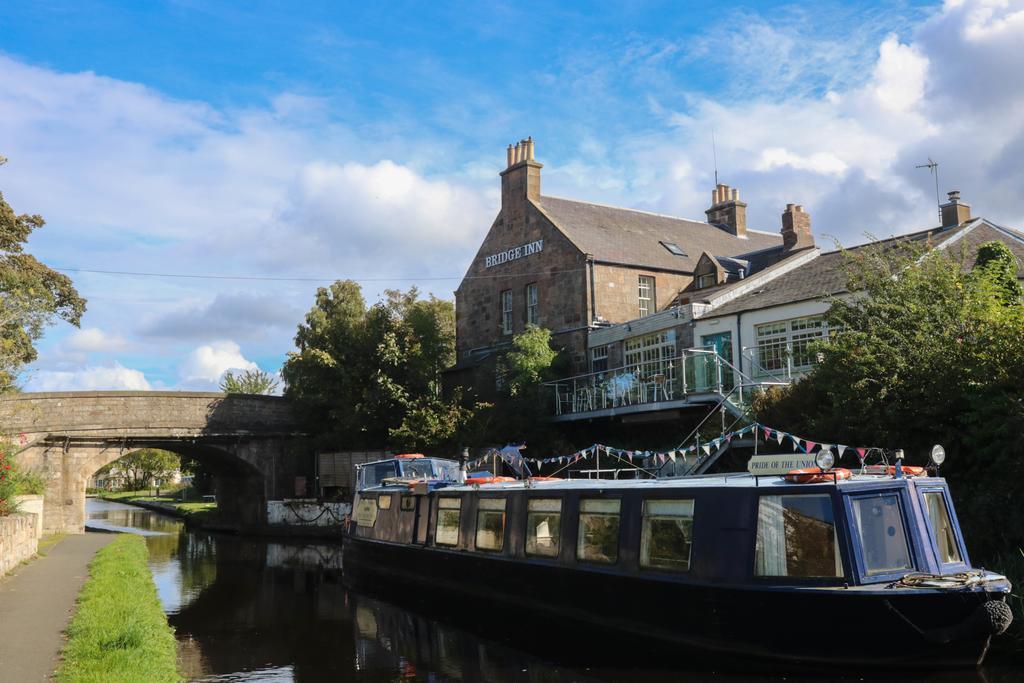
[(957, 580)]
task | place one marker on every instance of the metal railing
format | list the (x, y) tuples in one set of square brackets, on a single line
[(694, 371), (775, 362)]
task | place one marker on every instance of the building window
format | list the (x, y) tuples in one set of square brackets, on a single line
[(648, 300), (490, 524), (543, 526), (506, 311), (532, 305), (787, 343), (599, 530), (796, 537), (667, 534), (651, 355), (599, 358), (448, 512)]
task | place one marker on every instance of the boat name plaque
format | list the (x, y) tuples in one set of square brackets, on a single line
[(779, 464), (366, 512)]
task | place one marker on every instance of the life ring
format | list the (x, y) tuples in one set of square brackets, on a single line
[(890, 470), (816, 475), (545, 479), (476, 481)]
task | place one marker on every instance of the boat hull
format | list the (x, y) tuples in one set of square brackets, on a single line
[(862, 627)]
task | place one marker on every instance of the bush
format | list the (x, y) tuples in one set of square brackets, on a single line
[(8, 484), (119, 631)]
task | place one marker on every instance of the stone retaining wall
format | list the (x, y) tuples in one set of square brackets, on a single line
[(306, 513), (18, 540)]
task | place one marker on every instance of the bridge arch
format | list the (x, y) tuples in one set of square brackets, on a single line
[(253, 443)]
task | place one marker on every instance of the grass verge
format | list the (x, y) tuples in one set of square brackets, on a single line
[(119, 631)]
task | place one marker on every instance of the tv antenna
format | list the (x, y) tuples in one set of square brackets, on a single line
[(714, 154), (933, 168)]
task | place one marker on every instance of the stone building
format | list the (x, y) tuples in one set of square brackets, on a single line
[(573, 267)]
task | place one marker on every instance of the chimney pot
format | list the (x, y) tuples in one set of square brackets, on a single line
[(509, 154), (954, 212), (727, 210)]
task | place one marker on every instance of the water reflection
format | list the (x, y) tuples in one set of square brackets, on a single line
[(249, 610)]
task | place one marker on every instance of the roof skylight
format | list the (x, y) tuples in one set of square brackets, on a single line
[(674, 248)]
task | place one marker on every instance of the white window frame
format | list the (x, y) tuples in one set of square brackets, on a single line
[(532, 304), (506, 311), (783, 343), (651, 354), (647, 295), (599, 353), (706, 280)]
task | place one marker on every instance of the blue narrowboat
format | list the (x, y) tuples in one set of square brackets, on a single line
[(867, 570)]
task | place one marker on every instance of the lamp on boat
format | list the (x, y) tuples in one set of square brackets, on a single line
[(938, 457), (824, 459)]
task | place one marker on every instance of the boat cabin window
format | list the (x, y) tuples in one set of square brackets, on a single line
[(449, 510), (942, 528), (543, 526), (408, 503), (490, 524), (384, 501), (374, 473), (417, 469), (796, 537), (883, 541), (599, 530), (667, 534)]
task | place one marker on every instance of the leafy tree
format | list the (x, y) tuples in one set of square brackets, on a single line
[(31, 294), (249, 382), (371, 376), (530, 358), (139, 468), (929, 352)]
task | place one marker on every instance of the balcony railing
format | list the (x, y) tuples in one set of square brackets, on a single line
[(693, 373), (777, 362)]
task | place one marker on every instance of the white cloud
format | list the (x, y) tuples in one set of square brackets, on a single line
[(209, 362), (94, 340), (111, 377)]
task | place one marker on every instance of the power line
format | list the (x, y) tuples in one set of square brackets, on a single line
[(272, 278)]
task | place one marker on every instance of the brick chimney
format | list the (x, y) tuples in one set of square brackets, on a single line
[(521, 179), (955, 212), (727, 211), (796, 228)]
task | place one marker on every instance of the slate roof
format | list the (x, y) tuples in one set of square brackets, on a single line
[(631, 237), (825, 275)]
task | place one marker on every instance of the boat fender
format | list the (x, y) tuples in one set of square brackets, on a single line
[(816, 475), (990, 618)]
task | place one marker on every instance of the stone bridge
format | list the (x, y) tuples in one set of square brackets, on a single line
[(251, 444)]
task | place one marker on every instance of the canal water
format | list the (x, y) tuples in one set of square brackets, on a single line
[(256, 610)]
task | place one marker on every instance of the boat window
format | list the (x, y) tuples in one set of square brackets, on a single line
[(667, 534), (880, 530), (543, 526), (796, 536), (446, 470), (448, 512), (942, 528), (490, 524), (417, 469), (374, 473), (599, 530), (408, 503), (384, 501)]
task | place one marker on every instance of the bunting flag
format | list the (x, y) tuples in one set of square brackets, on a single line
[(707, 449), (778, 437), (841, 448), (810, 445)]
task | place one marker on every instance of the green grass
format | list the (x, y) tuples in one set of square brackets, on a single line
[(119, 631)]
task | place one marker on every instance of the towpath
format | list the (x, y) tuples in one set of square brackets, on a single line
[(36, 603)]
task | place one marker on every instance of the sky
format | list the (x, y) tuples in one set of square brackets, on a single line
[(229, 143)]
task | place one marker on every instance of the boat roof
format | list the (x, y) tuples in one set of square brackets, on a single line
[(729, 480)]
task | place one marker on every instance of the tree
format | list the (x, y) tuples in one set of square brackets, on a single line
[(32, 295), (371, 376), (928, 352), (249, 382), (530, 358), (140, 468)]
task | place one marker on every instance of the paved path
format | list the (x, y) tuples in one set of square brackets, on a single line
[(36, 604)]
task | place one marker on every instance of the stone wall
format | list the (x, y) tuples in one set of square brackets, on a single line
[(306, 513), (18, 540), (617, 291)]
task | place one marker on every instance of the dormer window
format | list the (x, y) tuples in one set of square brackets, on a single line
[(706, 280)]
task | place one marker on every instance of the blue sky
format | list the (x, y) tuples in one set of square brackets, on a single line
[(364, 140)]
